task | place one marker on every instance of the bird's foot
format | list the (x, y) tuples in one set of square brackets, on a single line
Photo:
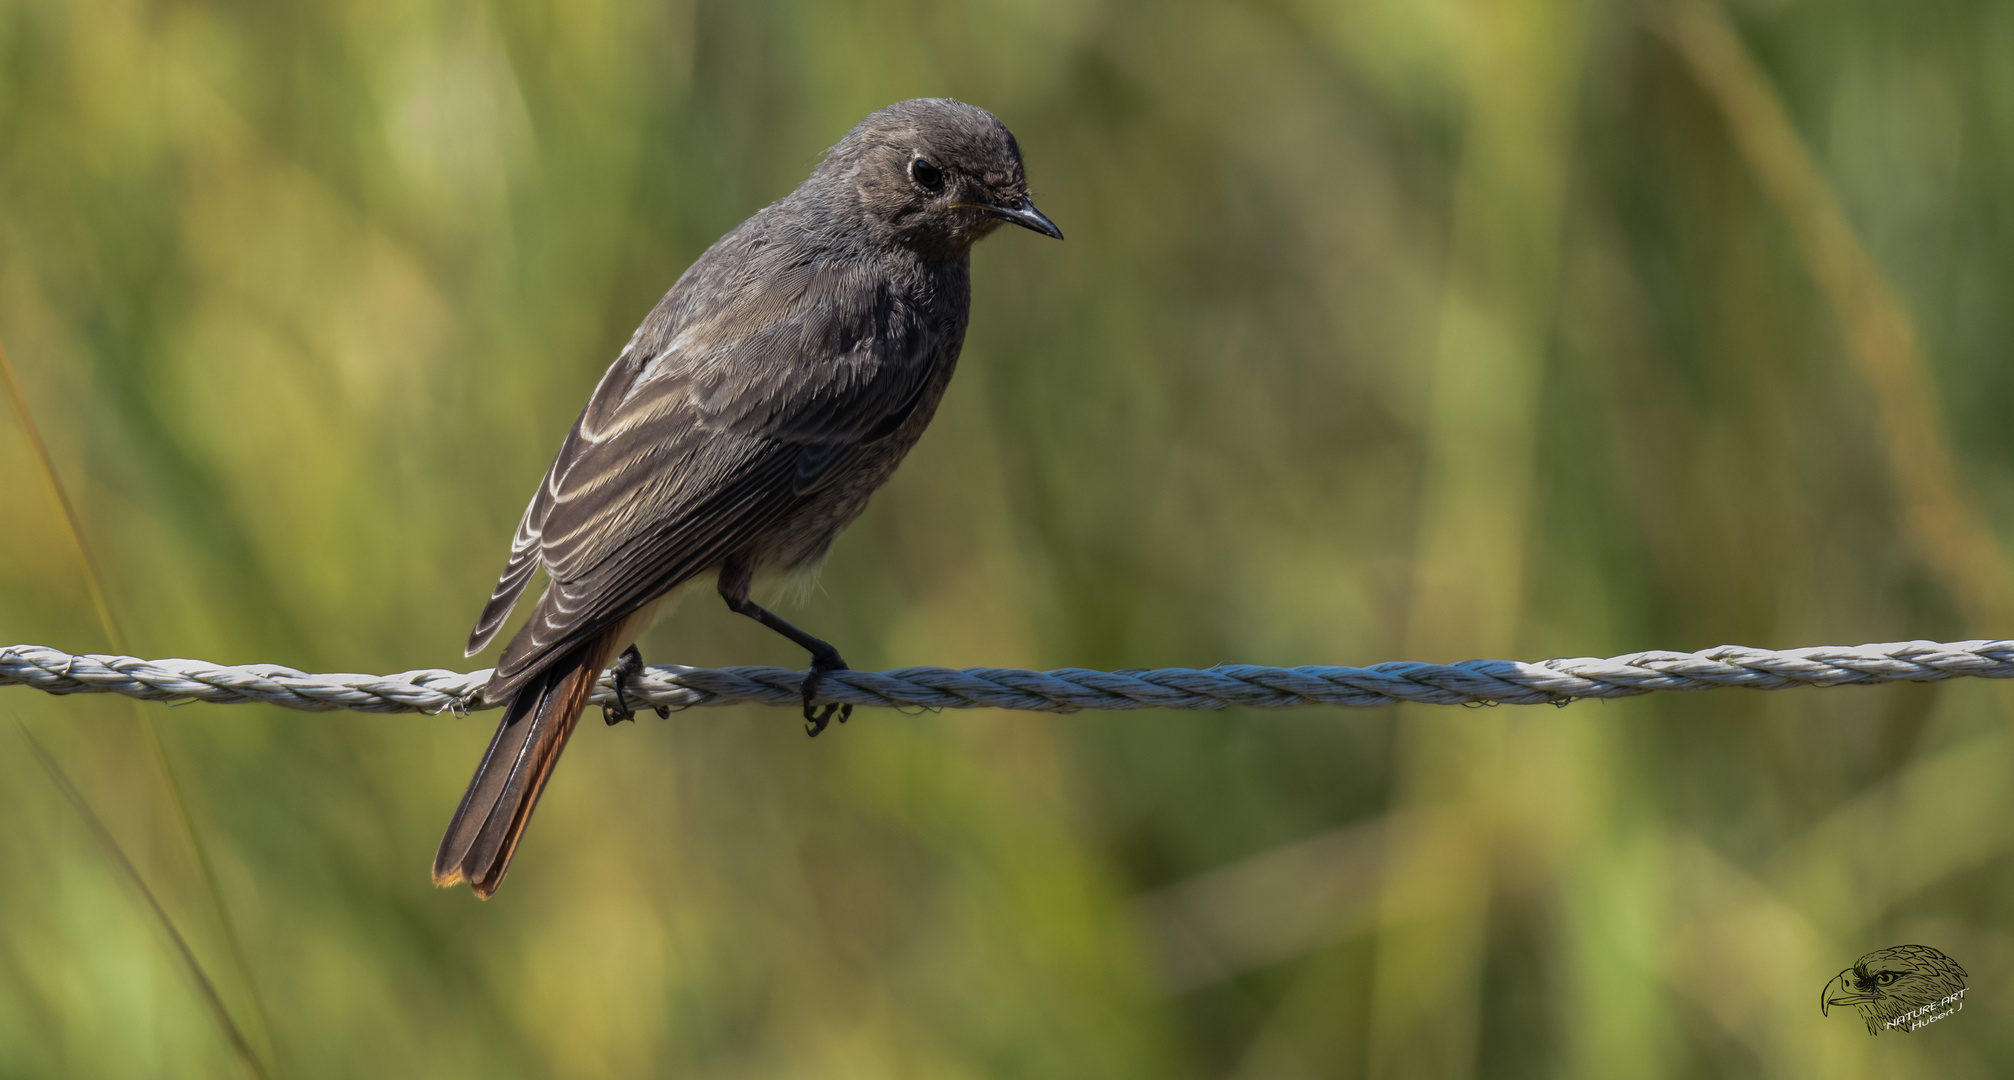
[(628, 666), (816, 718)]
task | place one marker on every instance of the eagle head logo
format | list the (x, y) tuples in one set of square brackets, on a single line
[(1887, 983)]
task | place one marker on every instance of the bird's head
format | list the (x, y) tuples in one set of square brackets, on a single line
[(935, 174), (1886, 983)]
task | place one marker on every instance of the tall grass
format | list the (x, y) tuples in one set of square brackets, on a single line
[(1384, 329)]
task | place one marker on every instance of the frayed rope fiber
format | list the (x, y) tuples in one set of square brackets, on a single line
[(1471, 682)]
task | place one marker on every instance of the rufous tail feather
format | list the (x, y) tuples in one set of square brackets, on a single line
[(486, 828)]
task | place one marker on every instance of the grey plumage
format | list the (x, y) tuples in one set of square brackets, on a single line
[(748, 420)]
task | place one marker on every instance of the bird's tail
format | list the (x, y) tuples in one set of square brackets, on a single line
[(493, 814)]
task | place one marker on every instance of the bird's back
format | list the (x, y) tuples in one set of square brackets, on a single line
[(765, 397)]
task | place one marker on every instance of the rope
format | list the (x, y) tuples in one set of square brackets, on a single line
[(1471, 682)]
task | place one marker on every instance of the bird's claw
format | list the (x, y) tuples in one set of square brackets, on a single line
[(816, 718), (628, 666)]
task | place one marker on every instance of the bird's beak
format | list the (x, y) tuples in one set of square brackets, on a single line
[(1022, 212), (1826, 1000)]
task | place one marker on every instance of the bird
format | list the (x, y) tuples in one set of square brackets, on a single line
[(761, 402), (1889, 983)]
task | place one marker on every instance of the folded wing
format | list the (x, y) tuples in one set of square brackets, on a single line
[(741, 394)]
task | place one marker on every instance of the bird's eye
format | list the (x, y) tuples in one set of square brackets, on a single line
[(1886, 977), (927, 176)]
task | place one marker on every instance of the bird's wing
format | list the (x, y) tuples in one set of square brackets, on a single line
[(517, 573), (743, 391)]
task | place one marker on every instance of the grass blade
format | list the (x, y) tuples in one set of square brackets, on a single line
[(94, 582), (119, 859)]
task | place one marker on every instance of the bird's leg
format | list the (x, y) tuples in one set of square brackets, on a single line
[(628, 666), (824, 657)]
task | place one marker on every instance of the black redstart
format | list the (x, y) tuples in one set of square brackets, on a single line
[(770, 392)]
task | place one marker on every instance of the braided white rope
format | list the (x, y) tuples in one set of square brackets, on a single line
[(1064, 690)]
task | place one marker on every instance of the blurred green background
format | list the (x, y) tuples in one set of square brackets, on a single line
[(1385, 330)]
